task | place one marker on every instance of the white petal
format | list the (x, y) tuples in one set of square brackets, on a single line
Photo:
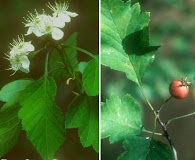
[(29, 46), (38, 32), (57, 34), (71, 14), (58, 22), (64, 17), (29, 31), (25, 63)]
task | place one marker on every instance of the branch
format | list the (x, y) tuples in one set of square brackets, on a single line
[(180, 117)]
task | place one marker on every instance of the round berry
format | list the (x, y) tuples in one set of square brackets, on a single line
[(179, 89)]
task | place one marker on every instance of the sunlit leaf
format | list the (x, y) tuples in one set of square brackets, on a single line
[(41, 118), (12, 90), (119, 20), (120, 118)]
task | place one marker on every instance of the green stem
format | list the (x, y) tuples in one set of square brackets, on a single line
[(163, 104), (180, 117), (155, 113), (82, 50), (70, 70), (46, 64)]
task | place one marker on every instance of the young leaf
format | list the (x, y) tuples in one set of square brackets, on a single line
[(90, 78), (83, 114), (120, 118), (56, 65), (10, 128), (41, 119), (12, 90), (82, 66), (114, 29), (145, 149)]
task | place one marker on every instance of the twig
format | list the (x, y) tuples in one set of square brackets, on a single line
[(163, 104), (180, 117), (166, 134), (164, 127)]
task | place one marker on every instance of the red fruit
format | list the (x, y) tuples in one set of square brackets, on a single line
[(179, 88)]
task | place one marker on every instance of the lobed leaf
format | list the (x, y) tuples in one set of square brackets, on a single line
[(119, 20), (145, 149), (83, 114), (120, 118), (41, 118)]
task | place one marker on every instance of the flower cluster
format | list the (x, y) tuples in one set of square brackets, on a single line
[(43, 24), (40, 25), (18, 55)]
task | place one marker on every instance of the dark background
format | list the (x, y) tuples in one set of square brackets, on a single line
[(86, 24), (172, 26)]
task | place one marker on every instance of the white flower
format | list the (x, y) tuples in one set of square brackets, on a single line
[(42, 24), (18, 55), (61, 15)]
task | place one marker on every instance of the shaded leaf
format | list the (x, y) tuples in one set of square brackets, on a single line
[(10, 128), (83, 114), (41, 119), (145, 149), (120, 118), (59, 71)]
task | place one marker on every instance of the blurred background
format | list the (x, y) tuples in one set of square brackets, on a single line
[(11, 25), (172, 26)]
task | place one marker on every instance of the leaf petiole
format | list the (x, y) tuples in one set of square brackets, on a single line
[(151, 132), (83, 50)]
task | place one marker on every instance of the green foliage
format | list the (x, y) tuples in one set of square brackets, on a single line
[(81, 66), (120, 118), (126, 47), (12, 90), (145, 149), (91, 78), (10, 128), (59, 70), (83, 114), (41, 118), (113, 31)]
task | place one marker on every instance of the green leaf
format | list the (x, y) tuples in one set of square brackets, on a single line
[(59, 71), (41, 118), (118, 20), (10, 128), (91, 78), (145, 149), (141, 54), (120, 118), (83, 114), (82, 66), (12, 90)]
